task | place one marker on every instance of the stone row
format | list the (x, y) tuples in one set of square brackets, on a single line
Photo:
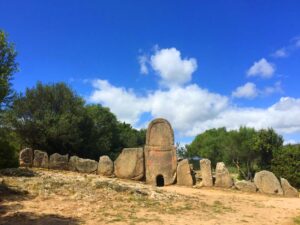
[(129, 164), (264, 181)]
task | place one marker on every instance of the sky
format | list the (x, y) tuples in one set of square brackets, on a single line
[(199, 64)]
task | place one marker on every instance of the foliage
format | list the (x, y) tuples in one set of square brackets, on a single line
[(53, 118), (50, 117), (129, 137), (241, 152), (286, 164), (246, 149), (102, 135), (209, 144), (267, 143), (8, 149), (8, 67)]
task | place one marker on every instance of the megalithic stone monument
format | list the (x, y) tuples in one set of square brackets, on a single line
[(160, 153)]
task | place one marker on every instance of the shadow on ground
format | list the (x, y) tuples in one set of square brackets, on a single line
[(24, 218), (17, 172), (9, 214)]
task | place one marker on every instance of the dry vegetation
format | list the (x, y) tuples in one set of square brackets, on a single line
[(52, 197)]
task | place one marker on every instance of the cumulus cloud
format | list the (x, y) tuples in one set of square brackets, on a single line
[(261, 68), (276, 88), (171, 67), (143, 60), (280, 53), (282, 116), (248, 90), (124, 103), (288, 49), (192, 109)]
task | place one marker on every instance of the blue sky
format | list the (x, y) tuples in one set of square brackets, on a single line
[(200, 64)]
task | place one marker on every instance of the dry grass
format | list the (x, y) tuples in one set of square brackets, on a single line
[(72, 198)]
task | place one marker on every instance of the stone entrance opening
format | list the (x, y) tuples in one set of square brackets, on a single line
[(160, 182)]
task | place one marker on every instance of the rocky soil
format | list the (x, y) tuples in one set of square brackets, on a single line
[(47, 197)]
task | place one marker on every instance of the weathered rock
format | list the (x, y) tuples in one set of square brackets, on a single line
[(130, 164), (58, 161), (205, 167), (184, 176), (26, 157), (246, 186), (40, 159), (72, 163), (160, 153), (223, 178), (288, 190), (267, 183), (86, 165), (105, 166)]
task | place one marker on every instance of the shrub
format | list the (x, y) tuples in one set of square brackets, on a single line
[(286, 164)]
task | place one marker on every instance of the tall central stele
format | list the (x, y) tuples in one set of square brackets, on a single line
[(160, 153)]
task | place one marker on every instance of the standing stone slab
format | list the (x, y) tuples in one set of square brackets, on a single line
[(130, 164), (160, 153), (246, 186), (26, 157), (223, 178), (267, 183), (205, 167), (105, 166), (86, 165), (58, 161), (288, 190), (40, 159), (72, 163), (184, 176)]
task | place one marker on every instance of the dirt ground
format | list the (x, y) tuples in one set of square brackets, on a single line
[(31, 197)]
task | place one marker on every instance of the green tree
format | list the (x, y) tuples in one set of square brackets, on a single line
[(286, 164), (246, 149), (8, 67), (210, 144), (267, 142), (8, 149), (240, 151), (129, 137), (103, 135), (51, 118)]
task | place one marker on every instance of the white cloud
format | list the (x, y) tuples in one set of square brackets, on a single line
[(277, 88), (262, 68), (248, 90), (280, 53), (172, 69), (192, 110), (282, 116), (124, 103), (143, 60)]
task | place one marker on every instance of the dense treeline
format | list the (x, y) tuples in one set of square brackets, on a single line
[(248, 150), (53, 118)]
